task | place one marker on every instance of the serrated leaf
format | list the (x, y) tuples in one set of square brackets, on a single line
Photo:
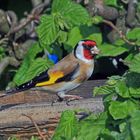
[(111, 50), (129, 58), (74, 36), (138, 42), (120, 110), (134, 64), (122, 89), (106, 89), (135, 125), (63, 36), (38, 65), (106, 135), (119, 42), (97, 19), (67, 127), (34, 138), (47, 30), (32, 52), (83, 32), (134, 34), (133, 82), (91, 32), (70, 11), (91, 128), (111, 2), (109, 87)]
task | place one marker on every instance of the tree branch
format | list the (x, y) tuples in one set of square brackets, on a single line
[(34, 15), (122, 36), (8, 61), (36, 126)]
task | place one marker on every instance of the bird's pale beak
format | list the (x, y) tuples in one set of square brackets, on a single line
[(95, 50)]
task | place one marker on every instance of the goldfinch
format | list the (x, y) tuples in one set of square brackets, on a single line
[(67, 74)]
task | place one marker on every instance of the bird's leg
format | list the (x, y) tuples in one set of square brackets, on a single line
[(57, 100), (68, 98), (63, 97)]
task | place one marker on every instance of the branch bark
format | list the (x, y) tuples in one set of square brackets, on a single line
[(131, 12), (34, 15), (36, 126), (8, 61)]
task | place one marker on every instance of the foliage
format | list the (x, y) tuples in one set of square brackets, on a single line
[(53, 29), (31, 66), (15, 138), (120, 119), (58, 31)]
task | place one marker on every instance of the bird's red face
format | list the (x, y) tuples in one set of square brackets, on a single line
[(89, 49)]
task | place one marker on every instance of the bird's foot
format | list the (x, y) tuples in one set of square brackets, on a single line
[(57, 100), (69, 98)]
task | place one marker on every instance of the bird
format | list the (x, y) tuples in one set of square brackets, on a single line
[(67, 74)]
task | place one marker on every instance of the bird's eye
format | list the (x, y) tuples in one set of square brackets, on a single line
[(87, 47)]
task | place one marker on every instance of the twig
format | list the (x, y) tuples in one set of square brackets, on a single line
[(34, 15), (8, 61), (122, 36), (36, 126)]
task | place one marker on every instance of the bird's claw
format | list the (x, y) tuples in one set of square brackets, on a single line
[(71, 98), (57, 100), (67, 99)]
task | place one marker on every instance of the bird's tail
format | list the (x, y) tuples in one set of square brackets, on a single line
[(21, 88)]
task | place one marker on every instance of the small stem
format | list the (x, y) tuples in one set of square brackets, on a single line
[(122, 36), (36, 126), (8, 61), (34, 14)]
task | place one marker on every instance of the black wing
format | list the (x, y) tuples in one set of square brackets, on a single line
[(30, 84)]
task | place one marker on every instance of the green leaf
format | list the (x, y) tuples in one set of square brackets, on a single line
[(133, 82), (34, 138), (97, 19), (83, 32), (134, 64), (92, 127), (134, 34), (39, 65), (129, 58), (135, 125), (106, 89), (47, 30), (74, 36), (120, 110), (122, 89), (138, 42), (119, 42), (92, 32), (67, 127), (119, 136), (70, 12), (62, 36), (29, 58), (111, 2), (111, 50), (106, 135), (13, 138)]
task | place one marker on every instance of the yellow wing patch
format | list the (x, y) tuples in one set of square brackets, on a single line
[(53, 77)]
